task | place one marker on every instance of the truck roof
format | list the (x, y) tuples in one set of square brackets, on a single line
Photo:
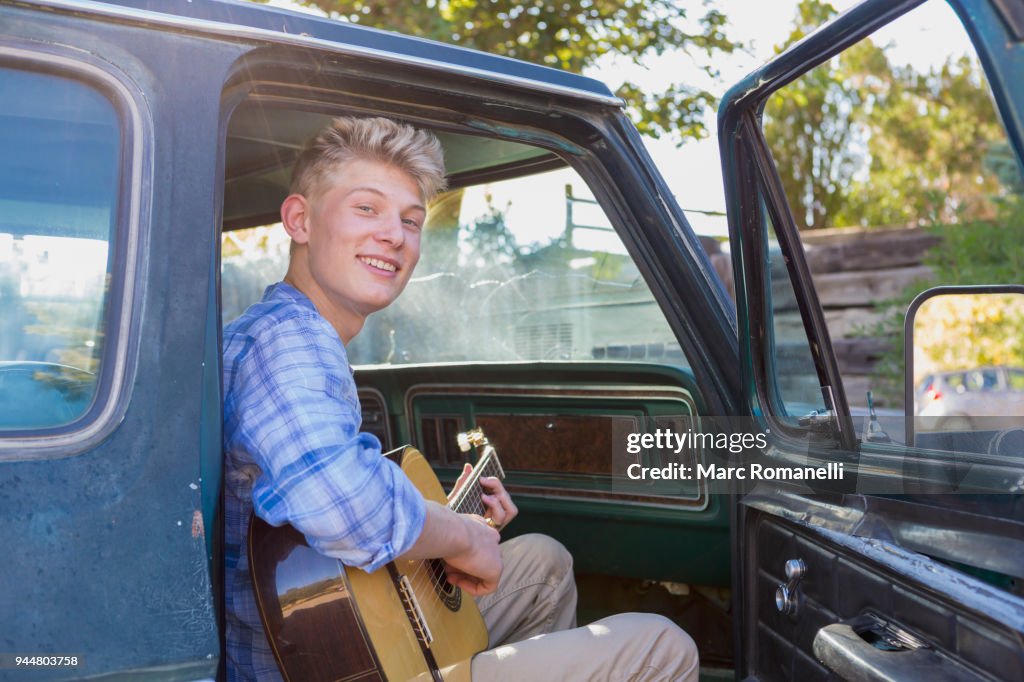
[(282, 25)]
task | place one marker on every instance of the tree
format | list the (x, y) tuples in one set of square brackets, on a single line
[(488, 242), (78, 323), (929, 140), (1001, 161), (813, 126), (858, 141), (571, 35), (964, 331)]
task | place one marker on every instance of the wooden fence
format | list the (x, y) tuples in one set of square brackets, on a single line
[(853, 270)]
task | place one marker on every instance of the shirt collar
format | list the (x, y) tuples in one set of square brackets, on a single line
[(286, 292)]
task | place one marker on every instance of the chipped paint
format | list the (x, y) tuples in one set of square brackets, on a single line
[(197, 524)]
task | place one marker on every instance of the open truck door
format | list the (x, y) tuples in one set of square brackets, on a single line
[(908, 565)]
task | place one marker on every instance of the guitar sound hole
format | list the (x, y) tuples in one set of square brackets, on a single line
[(450, 595)]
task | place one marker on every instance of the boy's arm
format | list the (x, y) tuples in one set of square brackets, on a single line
[(292, 407), (467, 544)]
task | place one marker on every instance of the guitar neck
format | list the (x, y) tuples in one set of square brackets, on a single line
[(468, 501)]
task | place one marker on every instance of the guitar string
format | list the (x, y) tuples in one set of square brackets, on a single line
[(429, 586), (483, 468), (466, 496), (424, 580), (424, 574)]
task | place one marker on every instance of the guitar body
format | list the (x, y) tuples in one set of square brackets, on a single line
[(326, 622)]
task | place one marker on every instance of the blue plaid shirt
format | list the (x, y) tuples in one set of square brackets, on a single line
[(294, 454)]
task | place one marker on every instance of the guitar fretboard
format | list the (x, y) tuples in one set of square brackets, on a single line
[(468, 499)]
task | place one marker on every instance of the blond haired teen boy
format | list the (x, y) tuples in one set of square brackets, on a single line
[(295, 453)]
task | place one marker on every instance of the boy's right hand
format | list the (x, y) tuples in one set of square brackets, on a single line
[(477, 570)]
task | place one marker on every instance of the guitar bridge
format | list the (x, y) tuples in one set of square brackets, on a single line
[(414, 612)]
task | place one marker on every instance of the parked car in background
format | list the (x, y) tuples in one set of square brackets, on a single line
[(982, 397)]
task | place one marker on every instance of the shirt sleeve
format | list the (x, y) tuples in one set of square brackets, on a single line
[(298, 415)]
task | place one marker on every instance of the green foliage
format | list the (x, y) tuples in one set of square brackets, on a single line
[(812, 128), (489, 241), (859, 141), (928, 142), (74, 321), (965, 331), (979, 252), (571, 35), (1001, 161)]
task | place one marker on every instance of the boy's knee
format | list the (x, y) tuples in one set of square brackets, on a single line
[(544, 551), (646, 646), (673, 647), (551, 551)]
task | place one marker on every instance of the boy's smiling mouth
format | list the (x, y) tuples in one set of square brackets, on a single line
[(379, 264)]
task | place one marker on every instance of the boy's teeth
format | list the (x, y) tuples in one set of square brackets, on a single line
[(378, 264)]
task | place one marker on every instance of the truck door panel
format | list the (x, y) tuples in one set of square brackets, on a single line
[(105, 500), (892, 583)]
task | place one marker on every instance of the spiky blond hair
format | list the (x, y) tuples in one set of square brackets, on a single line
[(417, 152)]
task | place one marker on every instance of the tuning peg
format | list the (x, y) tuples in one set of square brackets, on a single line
[(467, 439)]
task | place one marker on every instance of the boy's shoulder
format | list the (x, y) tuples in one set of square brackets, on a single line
[(281, 304)]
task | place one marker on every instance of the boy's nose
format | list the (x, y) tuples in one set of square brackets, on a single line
[(391, 230)]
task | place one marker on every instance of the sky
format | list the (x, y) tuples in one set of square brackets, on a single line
[(923, 38)]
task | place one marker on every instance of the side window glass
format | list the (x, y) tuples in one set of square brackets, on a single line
[(899, 177), (251, 259), (982, 380), (518, 263), (798, 385), (1015, 379), (59, 175), (523, 269), (526, 269)]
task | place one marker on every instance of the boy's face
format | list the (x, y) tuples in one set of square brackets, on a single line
[(364, 235)]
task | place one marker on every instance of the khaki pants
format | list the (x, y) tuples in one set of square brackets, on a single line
[(530, 618)]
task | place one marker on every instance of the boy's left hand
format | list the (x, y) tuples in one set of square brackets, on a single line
[(497, 501)]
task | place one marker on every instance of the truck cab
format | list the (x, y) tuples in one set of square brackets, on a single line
[(563, 303)]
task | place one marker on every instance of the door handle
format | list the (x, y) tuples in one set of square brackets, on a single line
[(843, 650), (786, 600)]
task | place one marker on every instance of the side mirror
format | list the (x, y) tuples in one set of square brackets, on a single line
[(964, 356)]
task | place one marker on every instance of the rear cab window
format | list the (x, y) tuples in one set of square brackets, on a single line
[(67, 135)]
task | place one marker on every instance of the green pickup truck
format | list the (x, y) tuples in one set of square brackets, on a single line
[(562, 303)]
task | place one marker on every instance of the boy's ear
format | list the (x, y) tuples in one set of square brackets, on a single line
[(295, 217)]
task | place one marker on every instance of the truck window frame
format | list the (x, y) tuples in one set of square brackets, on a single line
[(127, 256)]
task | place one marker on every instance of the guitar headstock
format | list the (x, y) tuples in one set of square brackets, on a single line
[(471, 438), (487, 465)]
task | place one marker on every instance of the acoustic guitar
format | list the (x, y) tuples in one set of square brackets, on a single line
[(326, 622)]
